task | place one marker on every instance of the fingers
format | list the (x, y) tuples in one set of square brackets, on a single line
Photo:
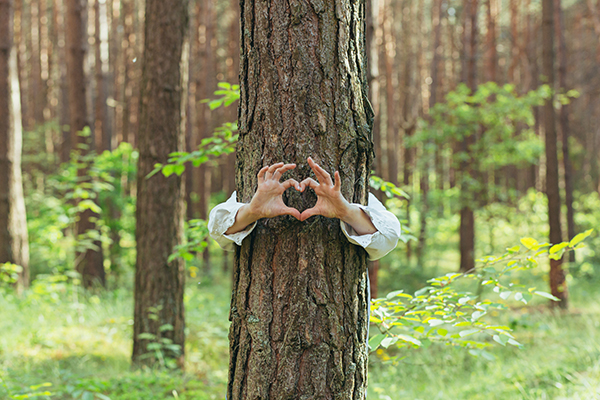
[(338, 181), (308, 213), (293, 212), (261, 174), (280, 171), (321, 174), (271, 170), (308, 182), (292, 182)]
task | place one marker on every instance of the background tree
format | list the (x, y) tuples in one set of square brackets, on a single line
[(159, 280), (89, 260), (299, 302), (558, 284), (468, 183), (14, 245)]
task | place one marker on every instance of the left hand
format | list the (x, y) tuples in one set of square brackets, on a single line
[(330, 202)]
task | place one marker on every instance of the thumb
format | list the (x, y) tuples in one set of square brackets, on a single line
[(308, 213), (292, 211)]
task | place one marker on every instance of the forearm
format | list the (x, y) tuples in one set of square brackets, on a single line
[(358, 220), (243, 218)]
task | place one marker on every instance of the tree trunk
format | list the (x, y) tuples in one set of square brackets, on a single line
[(564, 124), (299, 306), (467, 217), (89, 263), (101, 132), (159, 214), (491, 64), (558, 284), (14, 245)]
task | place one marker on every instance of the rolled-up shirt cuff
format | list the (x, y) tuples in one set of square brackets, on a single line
[(383, 241)]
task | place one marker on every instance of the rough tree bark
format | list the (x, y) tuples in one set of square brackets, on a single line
[(558, 284), (160, 209), (14, 245), (88, 263), (299, 301)]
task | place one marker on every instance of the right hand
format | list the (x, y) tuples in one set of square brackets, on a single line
[(267, 201)]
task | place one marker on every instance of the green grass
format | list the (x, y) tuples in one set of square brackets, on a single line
[(82, 348)]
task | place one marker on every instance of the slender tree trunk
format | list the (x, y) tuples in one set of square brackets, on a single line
[(89, 263), (14, 245), (299, 301), (564, 123), (102, 140), (491, 64), (388, 49), (159, 283), (467, 217), (558, 284), (533, 72)]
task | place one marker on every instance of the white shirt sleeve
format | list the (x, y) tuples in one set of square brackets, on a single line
[(377, 244), (221, 218), (383, 241)]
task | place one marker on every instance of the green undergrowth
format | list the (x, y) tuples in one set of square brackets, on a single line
[(81, 346), (560, 360)]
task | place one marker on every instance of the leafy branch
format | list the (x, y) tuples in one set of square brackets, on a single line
[(441, 313)]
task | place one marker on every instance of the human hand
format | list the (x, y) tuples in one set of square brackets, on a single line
[(330, 201), (267, 201)]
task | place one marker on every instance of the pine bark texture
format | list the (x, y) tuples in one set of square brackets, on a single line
[(14, 245), (299, 306), (558, 284), (160, 209), (89, 263)]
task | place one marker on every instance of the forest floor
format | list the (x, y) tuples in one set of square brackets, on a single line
[(81, 346)]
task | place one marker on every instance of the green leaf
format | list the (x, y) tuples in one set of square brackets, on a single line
[(435, 322), (505, 295), (168, 170), (513, 249), (146, 336), (558, 247), (89, 205), (410, 339), (528, 242), (375, 341), (388, 341), (468, 332), (179, 168), (547, 295), (36, 387), (442, 332), (580, 237), (215, 104), (463, 323), (391, 295), (502, 339), (166, 327), (514, 342)]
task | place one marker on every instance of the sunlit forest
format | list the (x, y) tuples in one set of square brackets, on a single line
[(123, 123)]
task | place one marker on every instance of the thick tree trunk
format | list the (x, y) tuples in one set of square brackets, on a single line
[(90, 262), (558, 284), (14, 245), (299, 302), (159, 214)]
